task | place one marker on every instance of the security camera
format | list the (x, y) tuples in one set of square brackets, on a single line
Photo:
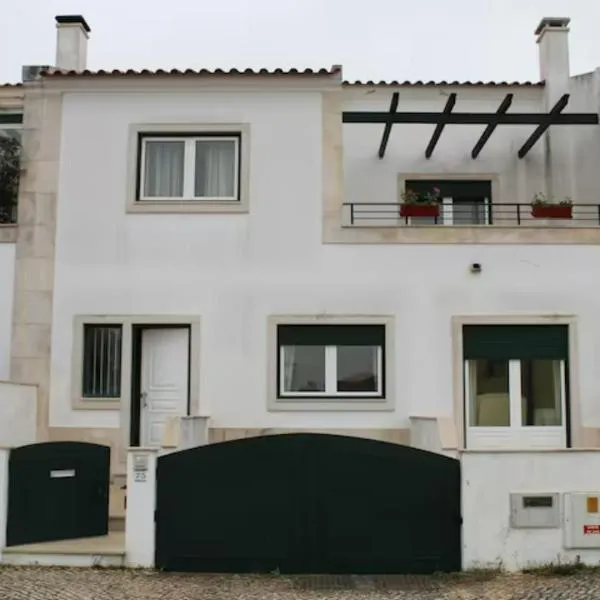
[(475, 267)]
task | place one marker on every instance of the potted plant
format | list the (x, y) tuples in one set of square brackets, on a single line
[(10, 171), (416, 205), (543, 207)]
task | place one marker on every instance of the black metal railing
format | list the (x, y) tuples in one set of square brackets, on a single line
[(391, 214)]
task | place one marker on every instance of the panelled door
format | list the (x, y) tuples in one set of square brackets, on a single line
[(164, 380)]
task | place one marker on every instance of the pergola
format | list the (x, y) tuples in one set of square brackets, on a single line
[(542, 121)]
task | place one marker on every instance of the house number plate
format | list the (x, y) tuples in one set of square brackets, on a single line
[(140, 476)]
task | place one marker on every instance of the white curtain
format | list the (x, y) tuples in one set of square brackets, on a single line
[(289, 355), (215, 169), (163, 169)]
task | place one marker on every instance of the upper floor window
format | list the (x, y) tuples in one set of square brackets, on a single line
[(462, 202), (189, 167), (10, 166)]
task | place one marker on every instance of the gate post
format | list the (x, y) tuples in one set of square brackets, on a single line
[(4, 454), (141, 504)]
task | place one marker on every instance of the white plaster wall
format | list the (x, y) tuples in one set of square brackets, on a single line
[(370, 179), (18, 405), (487, 481), (7, 275), (585, 148), (235, 270)]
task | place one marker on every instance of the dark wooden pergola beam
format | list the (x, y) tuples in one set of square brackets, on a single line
[(542, 127), (388, 126), (440, 125), (485, 136), (433, 118)]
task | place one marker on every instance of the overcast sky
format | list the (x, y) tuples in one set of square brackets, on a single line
[(372, 39)]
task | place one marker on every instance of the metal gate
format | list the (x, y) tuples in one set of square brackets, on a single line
[(308, 503), (57, 491)]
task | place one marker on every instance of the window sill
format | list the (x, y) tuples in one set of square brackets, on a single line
[(187, 206), (96, 404), (329, 404), (8, 233)]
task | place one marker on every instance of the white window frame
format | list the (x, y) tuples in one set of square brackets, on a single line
[(516, 434), (189, 167), (331, 377), (11, 126), (384, 403)]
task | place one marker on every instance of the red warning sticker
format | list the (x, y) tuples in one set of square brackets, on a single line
[(591, 529)]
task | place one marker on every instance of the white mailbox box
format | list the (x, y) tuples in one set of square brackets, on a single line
[(582, 520), (535, 510)]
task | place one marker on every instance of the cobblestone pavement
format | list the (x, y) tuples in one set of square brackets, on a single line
[(43, 583)]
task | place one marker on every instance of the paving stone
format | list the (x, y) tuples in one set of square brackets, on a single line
[(43, 583)]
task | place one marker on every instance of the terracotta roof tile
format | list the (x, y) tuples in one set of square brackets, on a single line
[(335, 70), (449, 83)]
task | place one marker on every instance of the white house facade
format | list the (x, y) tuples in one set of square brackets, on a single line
[(230, 254)]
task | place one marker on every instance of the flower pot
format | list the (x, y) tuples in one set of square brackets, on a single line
[(419, 210), (552, 211)]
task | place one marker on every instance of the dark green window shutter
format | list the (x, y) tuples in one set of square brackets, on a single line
[(331, 335), (452, 189), (516, 341)]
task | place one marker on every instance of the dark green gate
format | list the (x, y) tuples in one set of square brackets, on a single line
[(308, 503), (57, 491)]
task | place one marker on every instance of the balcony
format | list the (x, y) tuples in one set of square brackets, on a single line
[(469, 214)]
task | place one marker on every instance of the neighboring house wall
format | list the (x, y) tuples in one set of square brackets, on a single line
[(7, 277)]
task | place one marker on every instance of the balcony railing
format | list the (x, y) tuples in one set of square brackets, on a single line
[(474, 214)]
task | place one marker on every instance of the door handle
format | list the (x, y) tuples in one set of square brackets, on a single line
[(143, 398)]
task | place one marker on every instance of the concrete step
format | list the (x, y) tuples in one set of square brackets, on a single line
[(116, 524), (105, 551)]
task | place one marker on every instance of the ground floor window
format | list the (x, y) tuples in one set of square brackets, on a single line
[(515, 383), (101, 361), (331, 361)]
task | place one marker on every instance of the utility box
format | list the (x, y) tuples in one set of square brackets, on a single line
[(536, 511), (582, 520)]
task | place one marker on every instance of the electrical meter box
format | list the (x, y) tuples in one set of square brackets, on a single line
[(582, 520), (534, 511)]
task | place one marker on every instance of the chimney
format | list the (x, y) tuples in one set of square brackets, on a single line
[(71, 42), (553, 41)]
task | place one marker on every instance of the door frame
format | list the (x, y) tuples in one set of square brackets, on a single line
[(135, 409)]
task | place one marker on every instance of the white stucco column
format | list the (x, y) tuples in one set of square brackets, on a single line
[(553, 44), (4, 453), (141, 504)]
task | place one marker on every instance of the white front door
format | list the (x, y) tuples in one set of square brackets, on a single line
[(164, 381)]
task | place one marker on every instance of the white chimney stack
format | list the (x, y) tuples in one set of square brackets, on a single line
[(553, 42), (71, 42)]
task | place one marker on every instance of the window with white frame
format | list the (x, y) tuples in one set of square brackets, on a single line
[(462, 202), (516, 386), (190, 167), (101, 361), (331, 361)]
